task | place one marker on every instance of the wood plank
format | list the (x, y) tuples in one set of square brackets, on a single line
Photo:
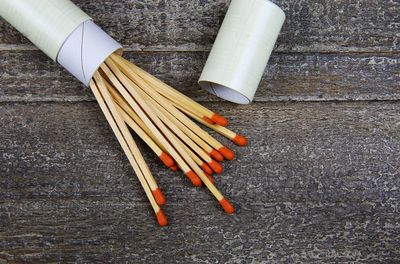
[(318, 182), (312, 26), (114, 230), (298, 152), (30, 76)]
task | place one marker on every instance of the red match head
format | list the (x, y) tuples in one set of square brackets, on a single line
[(208, 120), (206, 168), (240, 140), (216, 166), (174, 168), (228, 207), (220, 120), (216, 155), (167, 160), (161, 218), (194, 178), (227, 153), (159, 196)]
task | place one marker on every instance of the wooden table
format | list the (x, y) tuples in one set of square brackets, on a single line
[(319, 181)]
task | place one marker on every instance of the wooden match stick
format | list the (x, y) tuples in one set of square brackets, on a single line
[(134, 99), (129, 140), (191, 128), (165, 117), (132, 117), (226, 205), (236, 138), (128, 110), (198, 161), (120, 81), (161, 218), (143, 131), (174, 95), (164, 157)]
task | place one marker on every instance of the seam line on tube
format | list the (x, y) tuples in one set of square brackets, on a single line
[(212, 87), (66, 39), (82, 68)]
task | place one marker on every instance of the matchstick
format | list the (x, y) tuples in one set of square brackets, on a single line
[(166, 117), (196, 132), (164, 157), (176, 96), (236, 138), (161, 218), (133, 98)]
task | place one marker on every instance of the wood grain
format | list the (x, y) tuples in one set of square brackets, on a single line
[(30, 76), (311, 26), (289, 144), (112, 230), (318, 182)]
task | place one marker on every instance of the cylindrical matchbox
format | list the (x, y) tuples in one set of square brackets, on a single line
[(62, 31), (245, 41)]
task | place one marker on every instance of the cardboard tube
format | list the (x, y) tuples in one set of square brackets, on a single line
[(242, 49), (46, 23), (62, 31), (85, 49)]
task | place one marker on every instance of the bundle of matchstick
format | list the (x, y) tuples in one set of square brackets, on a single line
[(163, 118)]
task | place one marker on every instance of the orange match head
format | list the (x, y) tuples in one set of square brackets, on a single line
[(220, 120), (161, 218), (167, 160), (159, 196), (174, 168), (206, 168), (240, 140), (210, 178), (194, 178), (228, 207), (216, 166), (216, 155), (208, 120), (227, 153)]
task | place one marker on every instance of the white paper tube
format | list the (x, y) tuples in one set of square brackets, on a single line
[(46, 23), (242, 49), (85, 49), (62, 31)]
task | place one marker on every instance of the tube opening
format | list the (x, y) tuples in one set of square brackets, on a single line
[(225, 92)]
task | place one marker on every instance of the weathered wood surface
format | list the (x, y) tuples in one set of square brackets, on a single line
[(288, 77), (289, 145), (330, 26), (318, 182)]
